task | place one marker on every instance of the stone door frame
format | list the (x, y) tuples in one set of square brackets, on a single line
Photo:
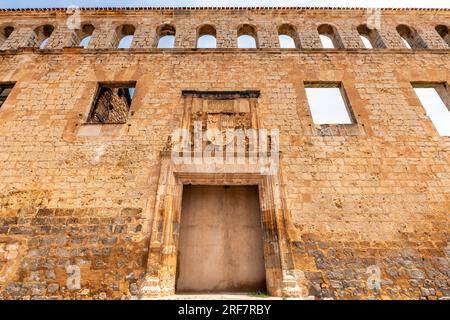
[(161, 272)]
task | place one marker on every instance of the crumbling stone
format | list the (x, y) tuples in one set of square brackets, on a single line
[(365, 205)]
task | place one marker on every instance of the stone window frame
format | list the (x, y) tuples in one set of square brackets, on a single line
[(114, 84), (165, 29), (407, 78), (332, 32), (5, 86), (247, 29), (354, 105), (290, 30), (5, 32), (443, 90)]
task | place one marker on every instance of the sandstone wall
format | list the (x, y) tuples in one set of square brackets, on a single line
[(372, 194)]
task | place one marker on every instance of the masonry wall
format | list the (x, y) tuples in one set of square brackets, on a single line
[(373, 194)]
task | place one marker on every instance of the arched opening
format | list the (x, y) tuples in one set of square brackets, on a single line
[(288, 37), (125, 35), (247, 37), (444, 33), (5, 32), (370, 37), (329, 37), (85, 35), (411, 38), (43, 34), (366, 41), (165, 36), (327, 42), (206, 37)]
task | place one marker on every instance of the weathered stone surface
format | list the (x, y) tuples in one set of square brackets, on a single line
[(366, 205)]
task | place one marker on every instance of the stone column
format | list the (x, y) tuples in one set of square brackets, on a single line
[(20, 37), (62, 37), (186, 35), (104, 37), (226, 36), (309, 37), (268, 35), (144, 36)]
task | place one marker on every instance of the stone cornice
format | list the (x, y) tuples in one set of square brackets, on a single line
[(118, 9), (175, 51)]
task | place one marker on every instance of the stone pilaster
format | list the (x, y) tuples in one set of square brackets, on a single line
[(20, 37)]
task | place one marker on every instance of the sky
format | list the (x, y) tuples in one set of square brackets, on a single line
[(236, 3)]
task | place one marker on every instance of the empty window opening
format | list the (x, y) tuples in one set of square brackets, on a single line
[(411, 38), (326, 41), (435, 99), (125, 34), (247, 38), (166, 36), (5, 90), (5, 32), (288, 37), (43, 34), (366, 42), (85, 35), (112, 104), (206, 37), (444, 33), (370, 37), (329, 37), (328, 104)]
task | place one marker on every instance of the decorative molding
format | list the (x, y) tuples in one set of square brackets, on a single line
[(309, 8)]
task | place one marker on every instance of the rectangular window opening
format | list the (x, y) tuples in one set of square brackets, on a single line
[(435, 99), (329, 104), (5, 90), (112, 103)]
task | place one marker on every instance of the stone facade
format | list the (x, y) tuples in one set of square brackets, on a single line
[(90, 211)]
